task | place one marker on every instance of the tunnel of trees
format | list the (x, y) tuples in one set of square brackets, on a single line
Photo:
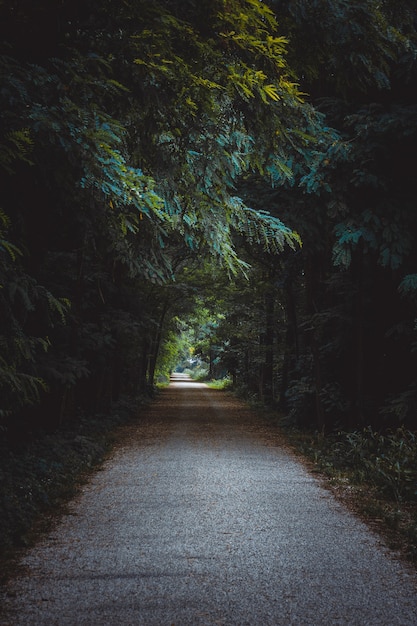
[(234, 176)]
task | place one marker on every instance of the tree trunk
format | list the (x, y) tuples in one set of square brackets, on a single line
[(156, 344), (321, 422), (312, 274), (358, 315), (267, 368), (291, 343)]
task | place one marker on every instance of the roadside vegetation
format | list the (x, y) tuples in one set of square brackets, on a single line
[(39, 474), (374, 474)]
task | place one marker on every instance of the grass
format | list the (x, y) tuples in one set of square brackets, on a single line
[(202, 375), (374, 474), (223, 383)]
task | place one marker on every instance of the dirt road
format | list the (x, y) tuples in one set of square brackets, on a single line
[(202, 517)]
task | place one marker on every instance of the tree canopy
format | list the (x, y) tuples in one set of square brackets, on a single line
[(275, 139)]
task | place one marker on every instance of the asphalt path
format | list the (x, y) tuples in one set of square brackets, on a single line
[(202, 517)]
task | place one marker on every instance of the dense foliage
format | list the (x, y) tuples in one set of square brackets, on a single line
[(227, 183), (333, 323), (124, 132)]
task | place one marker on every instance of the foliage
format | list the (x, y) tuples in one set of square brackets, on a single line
[(126, 133), (349, 47), (223, 383), (21, 300), (37, 476), (139, 140), (375, 473), (202, 140), (328, 329), (348, 351), (384, 461)]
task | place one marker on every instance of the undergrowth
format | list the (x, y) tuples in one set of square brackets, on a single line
[(38, 476), (202, 375), (381, 471), (221, 383)]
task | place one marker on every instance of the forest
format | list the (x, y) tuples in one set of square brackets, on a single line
[(222, 185)]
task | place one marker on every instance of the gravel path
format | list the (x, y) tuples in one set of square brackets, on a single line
[(202, 517)]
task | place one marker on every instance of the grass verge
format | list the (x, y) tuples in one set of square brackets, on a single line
[(373, 474), (222, 383)]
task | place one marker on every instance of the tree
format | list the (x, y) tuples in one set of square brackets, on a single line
[(123, 137), (354, 214)]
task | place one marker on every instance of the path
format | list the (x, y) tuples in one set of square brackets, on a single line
[(202, 518)]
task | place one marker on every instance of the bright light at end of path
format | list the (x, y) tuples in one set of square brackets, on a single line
[(184, 380)]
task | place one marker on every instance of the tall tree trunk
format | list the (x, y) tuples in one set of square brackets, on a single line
[(266, 338), (358, 347), (291, 342), (267, 368), (156, 344), (321, 422), (211, 363), (143, 365), (312, 272)]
